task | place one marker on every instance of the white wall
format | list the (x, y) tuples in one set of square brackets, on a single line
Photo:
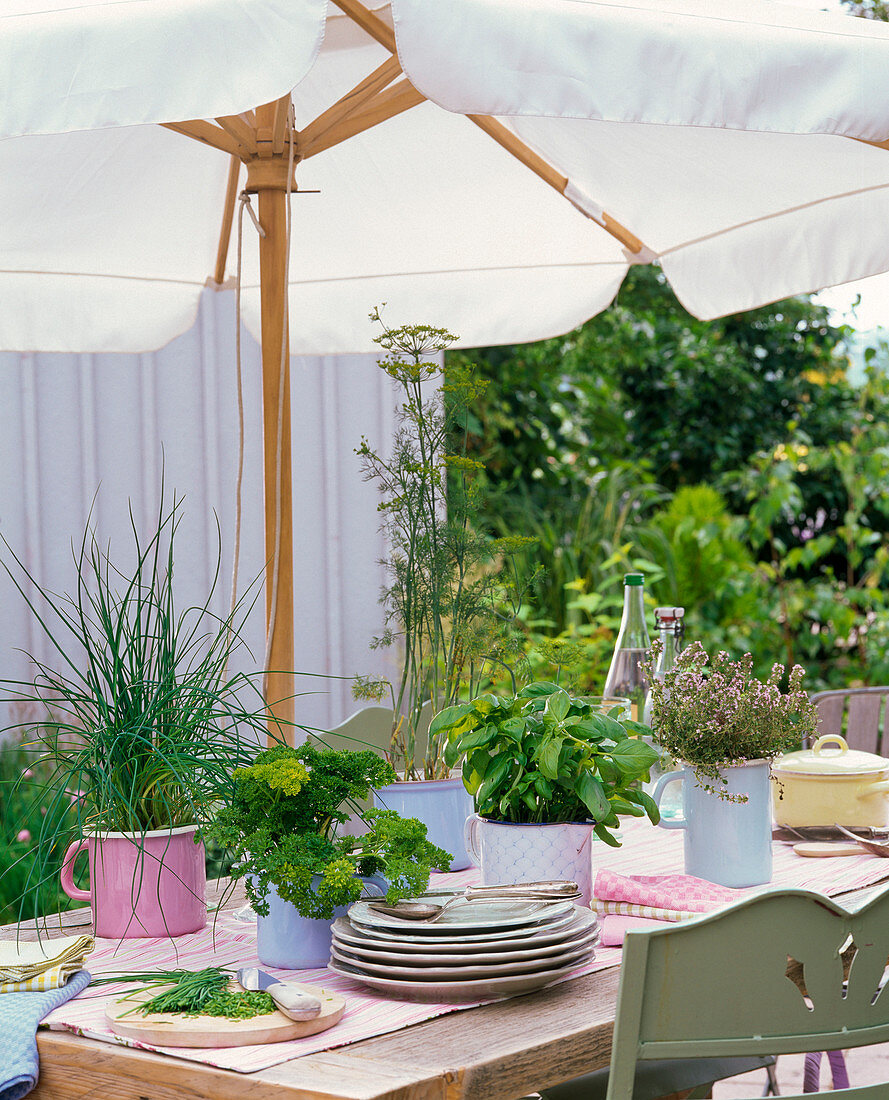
[(75, 424)]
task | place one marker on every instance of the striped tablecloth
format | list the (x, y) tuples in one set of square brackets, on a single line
[(645, 850), (232, 943)]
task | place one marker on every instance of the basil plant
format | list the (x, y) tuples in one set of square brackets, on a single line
[(543, 757)]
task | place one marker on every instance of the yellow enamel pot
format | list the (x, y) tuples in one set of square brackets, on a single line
[(831, 784)]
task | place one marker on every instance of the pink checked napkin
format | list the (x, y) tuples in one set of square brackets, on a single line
[(625, 902)]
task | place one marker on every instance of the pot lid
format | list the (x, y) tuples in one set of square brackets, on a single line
[(830, 755)]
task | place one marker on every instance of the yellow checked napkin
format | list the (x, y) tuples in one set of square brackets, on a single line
[(38, 966)]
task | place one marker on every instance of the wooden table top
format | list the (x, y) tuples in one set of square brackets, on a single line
[(498, 1051), (494, 1052)]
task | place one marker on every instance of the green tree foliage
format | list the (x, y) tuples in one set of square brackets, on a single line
[(646, 382), (582, 435), (868, 9), (732, 459)]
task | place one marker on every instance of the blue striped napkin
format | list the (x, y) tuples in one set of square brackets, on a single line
[(20, 1015)]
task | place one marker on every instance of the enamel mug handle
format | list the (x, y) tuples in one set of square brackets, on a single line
[(67, 875), (657, 793), (470, 838)]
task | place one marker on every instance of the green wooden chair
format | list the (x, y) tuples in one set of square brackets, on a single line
[(371, 728), (718, 987), (861, 715)]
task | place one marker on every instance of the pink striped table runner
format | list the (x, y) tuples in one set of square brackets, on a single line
[(233, 944), (645, 850)]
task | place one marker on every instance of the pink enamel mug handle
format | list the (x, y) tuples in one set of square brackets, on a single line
[(67, 875)]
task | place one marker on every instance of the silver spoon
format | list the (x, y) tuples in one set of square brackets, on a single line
[(873, 846), (429, 911)]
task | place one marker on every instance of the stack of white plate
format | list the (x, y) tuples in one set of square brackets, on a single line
[(475, 950)]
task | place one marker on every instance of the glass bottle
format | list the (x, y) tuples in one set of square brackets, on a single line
[(625, 676), (669, 623), (670, 626)]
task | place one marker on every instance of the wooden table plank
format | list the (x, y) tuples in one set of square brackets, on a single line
[(75, 1068), (495, 1052), (499, 1050)]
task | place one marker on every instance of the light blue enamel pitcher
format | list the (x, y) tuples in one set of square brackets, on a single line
[(725, 842)]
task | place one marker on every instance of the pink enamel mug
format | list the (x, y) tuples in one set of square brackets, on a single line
[(142, 884)]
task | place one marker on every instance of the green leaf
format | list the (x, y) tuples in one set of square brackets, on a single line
[(558, 705), (515, 727), (633, 757), (496, 774), (650, 807), (472, 778), (622, 806), (530, 800), (591, 727), (591, 792), (548, 758), (484, 704), (476, 738), (543, 787), (538, 689), (452, 719), (603, 834)]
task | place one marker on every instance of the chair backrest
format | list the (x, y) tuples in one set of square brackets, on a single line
[(718, 985), (858, 714), (371, 728)]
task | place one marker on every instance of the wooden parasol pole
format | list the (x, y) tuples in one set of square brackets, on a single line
[(267, 176)]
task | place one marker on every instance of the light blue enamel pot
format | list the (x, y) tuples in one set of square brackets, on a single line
[(727, 842), (443, 806), (293, 942)]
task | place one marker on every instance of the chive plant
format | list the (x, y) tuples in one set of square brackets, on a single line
[(140, 719)]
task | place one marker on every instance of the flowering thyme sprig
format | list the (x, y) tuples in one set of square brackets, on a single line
[(715, 717)]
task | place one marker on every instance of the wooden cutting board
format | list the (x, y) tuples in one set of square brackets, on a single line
[(172, 1029)]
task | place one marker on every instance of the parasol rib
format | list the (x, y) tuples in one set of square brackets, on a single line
[(241, 131), (352, 101), (382, 33), (204, 131), (228, 215), (394, 101), (280, 124), (368, 22)]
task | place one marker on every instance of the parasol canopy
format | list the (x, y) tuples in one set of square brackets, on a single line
[(491, 165)]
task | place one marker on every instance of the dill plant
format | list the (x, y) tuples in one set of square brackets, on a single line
[(453, 594)]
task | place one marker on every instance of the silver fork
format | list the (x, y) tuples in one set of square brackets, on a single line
[(873, 846)]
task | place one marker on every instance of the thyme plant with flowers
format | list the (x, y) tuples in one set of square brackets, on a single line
[(711, 718)]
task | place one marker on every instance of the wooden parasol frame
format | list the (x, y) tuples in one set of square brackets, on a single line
[(261, 140)]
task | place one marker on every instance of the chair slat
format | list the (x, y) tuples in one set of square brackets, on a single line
[(863, 723), (830, 713)]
